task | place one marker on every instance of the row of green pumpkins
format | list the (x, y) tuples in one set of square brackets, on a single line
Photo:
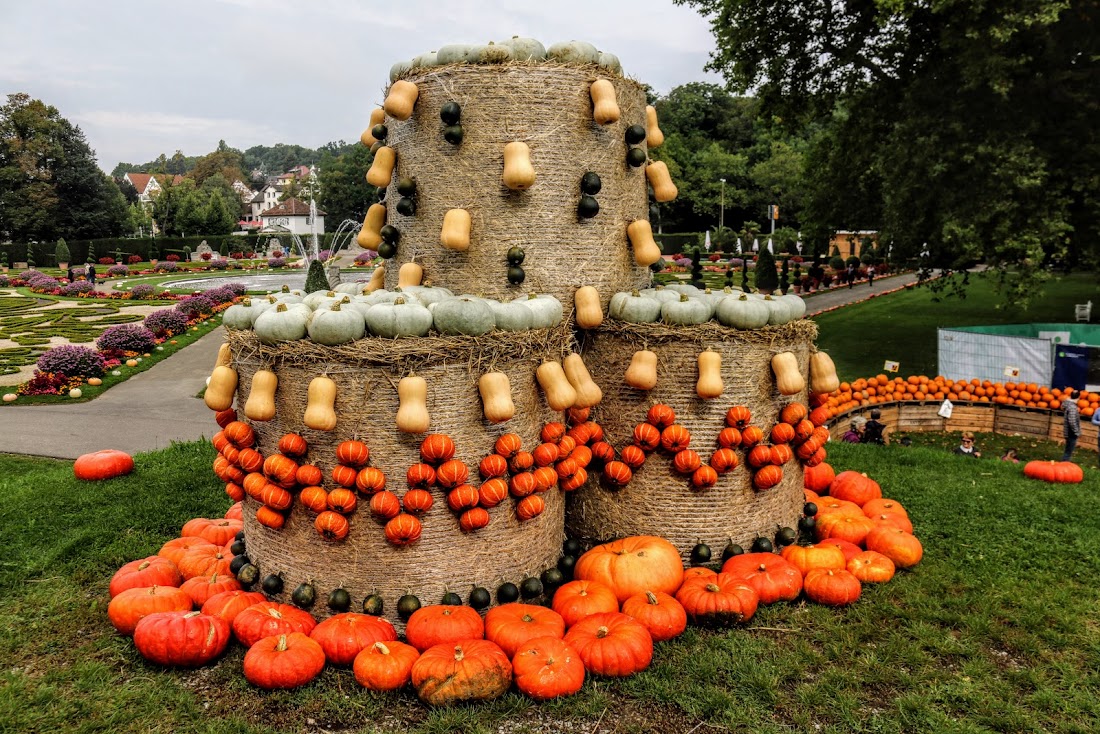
[(685, 304), (349, 312), (625, 596), (513, 49)]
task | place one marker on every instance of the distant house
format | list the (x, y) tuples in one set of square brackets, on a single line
[(243, 191), (262, 200), (148, 185), (851, 243), (291, 215)]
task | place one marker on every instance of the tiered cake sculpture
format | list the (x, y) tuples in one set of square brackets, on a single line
[(422, 444)]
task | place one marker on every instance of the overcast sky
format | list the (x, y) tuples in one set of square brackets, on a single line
[(144, 77)]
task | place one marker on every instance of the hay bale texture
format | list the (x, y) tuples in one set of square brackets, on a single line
[(548, 106), (366, 374), (658, 501)]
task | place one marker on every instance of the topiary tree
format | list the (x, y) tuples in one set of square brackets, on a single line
[(118, 255), (766, 277), (697, 270), (61, 252), (745, 273), (316, 280), (30, 257), (186, 252), (91, 252), (784, 280), (154, 252), (224, 250)]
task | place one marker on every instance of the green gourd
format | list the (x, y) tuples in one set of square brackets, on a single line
[(452, 53), (512, 316), (573, 52), (525, 49), (685, 311), (468, 316)]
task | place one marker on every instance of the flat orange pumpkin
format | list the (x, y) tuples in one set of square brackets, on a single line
[(633, 565)]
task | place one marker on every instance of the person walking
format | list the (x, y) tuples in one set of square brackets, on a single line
[(1071, 425), (851, 275), (72, 273), (91, 273), (870, 275)]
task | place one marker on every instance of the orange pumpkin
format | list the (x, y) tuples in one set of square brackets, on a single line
[(871, 567), (770, 576), (437, 448), (724, 460), (617, 474), (270, 518), (881, 505), (552, 432), (385, 666), (132, 605), (781, 454), (201, 588), (420, 476), (853, 528), (831, 586), (722, 601), (546, 668), (686, 461), (805, 557), (283, 661), (508, 445), (370, 480), (899, 546), (818, 478), (331, 525), (292, 444), (513, 625), (850, 550), (353, 453), (308, 475), (782, 433), (611, 644), (675, 438), (473, 519), (522, 484), (530, 507), (342, 500), (738, 417), (443, 624), (854, 487), (633, 456), (344, 475), (660, 613), (174, 550), (403, 529), (473, 670), (451, 474), (385, 505), (647, 437), (314, 498), (228, 604), (767, 477), (151, 571), (750, 436), (578, 599), (633, 565), (417, 501), (729, 438), (792, 413), (660, 416), (759, 456), (218, 531), (704, 477), (492, 492)]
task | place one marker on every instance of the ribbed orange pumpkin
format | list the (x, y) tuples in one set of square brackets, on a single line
[(240, 434), (611, 644), (224, 417), (314, 498), (270, 618), (308, 474), (133, 605), (385, 666), (633, 565), (770, 576), (805, 557), (675, 438), (729, 438), (473, 519), (437, 448), (332, 525), (443, 624), (899, 546), (353, 453), (250, 460), (492, 492), (403, 530), (617, 474), (818, 478), (686, 461), (854, 487), (781, 454), (721, 601), (546, 478), (179, 638), (660, 416), (767, 477), (522, 484), (552, 432), (759, 456), (204, 561), (871, 567), (492, 466), (633, 456), (738, 417), (603, 451), (218, 531), (174, 550), (803, 430), (344, 475), (704, 477), (724, 460), (750, 436), (370, 480), (473, 670), (276, 498), (508, 445), (385, 505), (853, 528), (792, 413), (831, 506), (659, 613), (270, 518), (417, 501), (343, 636), (894, 519), (530, 507), (151, 571), (292, 444), (574, 482), (831, 586), (513, 625), (881, 505), (451, 474), (647, 437), (850, 550), (546, 668), (228, 604), (201, 588), (420, 476), (342, 500), (281, 470), (782, 433), (462, 498), (578, 599), (545, 454), (805, 450), (283, 661)]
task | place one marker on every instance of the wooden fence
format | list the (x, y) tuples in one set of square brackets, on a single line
[(978, 417)]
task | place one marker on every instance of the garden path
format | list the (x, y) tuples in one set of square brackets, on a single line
[(158, 406)]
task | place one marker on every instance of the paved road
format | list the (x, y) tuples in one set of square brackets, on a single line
[(159, 406)]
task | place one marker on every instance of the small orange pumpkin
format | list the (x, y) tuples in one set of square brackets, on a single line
[(578, 599), (831, 586), (331, 525), (385, 505), (403, 529), (437, 448), (492, 492), (353, 453), (675, 438), (473, 519), (871, 567)]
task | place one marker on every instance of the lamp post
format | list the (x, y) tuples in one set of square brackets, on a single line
[(722, 208)]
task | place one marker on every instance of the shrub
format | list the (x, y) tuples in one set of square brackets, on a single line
[(226, 293), (72, 360), (126, 338), (142, 291), (166, 322), (366, 257), (106, 261), (77, 288), (237, 255), (4, 281), (195, 306), (836, 263), (853, 261), (316, 280), (173, 258), (276, 262), (133, 259), (324, 255), (61, 252), (219, 264), (186, 252), (119, 271), (207, 256), (168, 267)]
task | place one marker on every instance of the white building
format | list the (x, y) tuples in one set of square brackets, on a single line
[(291, 215), (147, 185)]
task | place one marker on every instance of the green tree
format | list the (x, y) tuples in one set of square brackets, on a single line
[(217, 215), (50, 185), (61, 252), (344, 191), (963, 124), (766, 277), (316, 280), (226, 161)]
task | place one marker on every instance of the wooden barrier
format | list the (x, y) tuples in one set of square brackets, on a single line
[(1008, 420)]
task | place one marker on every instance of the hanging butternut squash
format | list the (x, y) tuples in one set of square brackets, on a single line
[(412, 411), (560, 395), (588, 392), (642, 372), (377, 117), (640, 234), (377, 279), (653, 135), (710, 384), (370, 234), (223, 381), (260, 405), (496, 397), (605, 108), (455, 234), (381, 170), (410, 274), (519, 174), (823, 378), (788, 379), (589, 311), (657, 175), (320, 402), (401, 99)]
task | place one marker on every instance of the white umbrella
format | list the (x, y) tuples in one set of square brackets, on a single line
[(798, 245), (770, 246), (706, 242), (755, 245)]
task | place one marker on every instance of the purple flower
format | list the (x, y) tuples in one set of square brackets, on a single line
[(118, 271), (276, 262), (366, 256), (142, 291), (75, 289), (195, 306), (324, 255), (72, 360), (126, 338), (166, 322), (168, 267)]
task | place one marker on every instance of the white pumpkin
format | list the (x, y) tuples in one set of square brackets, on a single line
[(743, 312), (352, 289), (796, 304), (283, 323), (402, 317), (634, 308), (547, 310), (428, 294), (512, 316), (463, 316), (452, 53), (662, 294), (779, 312), (340, 324), (686, 310), (492, 53), (399, 70), (424, 61), (573, 52), (526, 49), (610, 62), (317, 298), (242, 315)]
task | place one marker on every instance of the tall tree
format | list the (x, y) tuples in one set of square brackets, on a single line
[(345, 193), (50, 185), (968, 125)]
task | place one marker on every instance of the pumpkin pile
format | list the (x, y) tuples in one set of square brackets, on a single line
[(882, 389), (183, 608), (684, 305)]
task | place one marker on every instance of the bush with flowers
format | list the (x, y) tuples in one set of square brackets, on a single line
[(219, 264), (78, 288), (167, 267), (126, 340), (366, 257), (133, 259), (166, 323), (173, 258), (49, 383), (276, 262), (142, 292), (118, 271), (72, 360)]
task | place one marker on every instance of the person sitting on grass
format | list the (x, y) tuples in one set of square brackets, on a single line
[(875, 431), (967, 447), (855, 430), (1010, 455)]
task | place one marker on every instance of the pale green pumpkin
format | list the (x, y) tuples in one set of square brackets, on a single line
[(743, 312), (573, 52), (468, 316), (685, 311), (512, 316), (340, 324), (399, 318), (283, 323), (547, 310), (634, 308)]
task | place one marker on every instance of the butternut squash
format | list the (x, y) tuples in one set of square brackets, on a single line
[(788, 380), (320, 403), (560, 395), (589, 311), (588, 392), (377, 279), (519, 174), (225, 356), (381, 170), (605, 108), (412, 412), (221, 388), (455, 234), (370, 235), (657, 175), (642, 372), (823, 378), (377, 117), (710, 384), (640, 234), (260, 405), (409, 274), (496, 397), (653, 135), (401, 99)]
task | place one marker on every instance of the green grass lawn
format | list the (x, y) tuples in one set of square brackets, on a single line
[(998, 629), (902, 326)]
